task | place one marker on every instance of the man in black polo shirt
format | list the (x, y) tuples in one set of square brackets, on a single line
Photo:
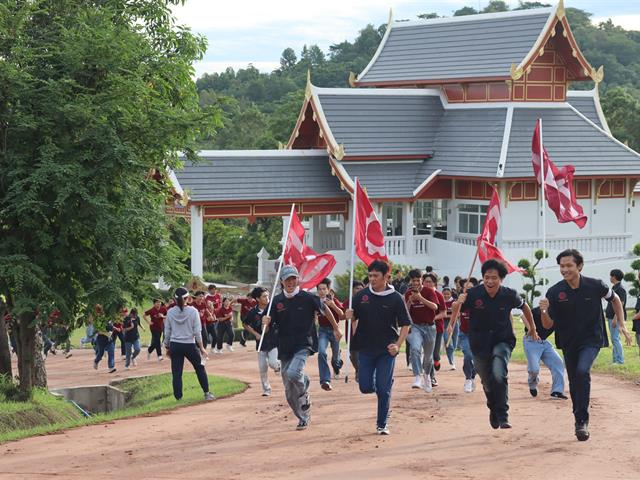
[(491, 335), (573, 306), (381, 324), (616, 277), (293, 314)]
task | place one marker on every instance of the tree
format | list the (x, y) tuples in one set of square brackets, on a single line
[(5, 352), (496, 6), (465, 11), (428, 16), (530, 272), (529, 5), (288, 59), (622, 111), (96, 99)]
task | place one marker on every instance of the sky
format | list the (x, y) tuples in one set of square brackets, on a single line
[(243, 32)]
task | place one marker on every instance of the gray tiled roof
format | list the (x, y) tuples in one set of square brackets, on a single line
[(459, 47), (260, 175), (468, 142), (390, 179), (569, 139), (585, 105), (379, 124)]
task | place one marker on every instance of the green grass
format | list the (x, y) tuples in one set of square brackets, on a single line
[(46, 413)]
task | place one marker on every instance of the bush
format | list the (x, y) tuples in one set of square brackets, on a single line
[(10, 391)]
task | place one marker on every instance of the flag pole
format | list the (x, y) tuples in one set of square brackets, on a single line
[(285, 238), (353, 256), (543, 211)]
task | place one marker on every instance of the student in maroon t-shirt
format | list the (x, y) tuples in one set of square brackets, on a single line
[(224, 328), (429, 280), (246, 304), (326, 335), (214, 297), (463, 342), (200, 304), (422, 304), (155, 318)]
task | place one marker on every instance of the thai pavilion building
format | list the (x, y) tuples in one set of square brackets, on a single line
[(445, 109)]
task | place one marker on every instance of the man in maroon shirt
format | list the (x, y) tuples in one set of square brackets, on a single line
[(155, 318), (463, 342), (430, 281), (205, 314), (246, 304), (326, 336), (422, 304)]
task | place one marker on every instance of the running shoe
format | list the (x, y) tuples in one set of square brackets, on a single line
[(209, 396), (160, 358), (436, 365), (534, 392), (326, 386), (426, 384), (505, 424), (229, 348), (383, 430), (582, 431), (434, 382), (266, 393), (134, 362), (68, 354), (468, 385), (95, 365), (302, 425), (113, 370), (559, 396), (493, 420), (452, 367), (418, 382)]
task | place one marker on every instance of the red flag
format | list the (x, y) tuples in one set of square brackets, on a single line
[(558, 184), (369, 239), (311, 266), (487, 239)]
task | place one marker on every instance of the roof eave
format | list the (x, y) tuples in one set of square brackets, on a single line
[(354, 81)]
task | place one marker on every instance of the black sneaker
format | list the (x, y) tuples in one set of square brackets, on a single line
[(302, 425), (534, 392), (559, 395), (582, 431), (505, 424), (493, 420), (307, 405)]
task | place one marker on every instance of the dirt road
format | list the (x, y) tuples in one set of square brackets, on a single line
[(445, 434)]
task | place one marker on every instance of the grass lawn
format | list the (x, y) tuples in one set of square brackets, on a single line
[(46, 413)]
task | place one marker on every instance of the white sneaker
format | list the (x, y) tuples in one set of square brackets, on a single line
[(383, 430), (266, 393), (134, 362), (452, 367), (473, 385), (426, 384), (160, 358), (229, 347), (215, 350), (418, 382), (468, 385)]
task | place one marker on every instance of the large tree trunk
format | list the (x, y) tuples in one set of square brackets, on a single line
[(5, 350), (39, 371), (26, 342)]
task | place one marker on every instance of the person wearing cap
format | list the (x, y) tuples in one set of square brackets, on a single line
[(183, 339), (293, 316)]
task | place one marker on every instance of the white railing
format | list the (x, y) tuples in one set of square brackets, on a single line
[(597, 243), (421, 244), (466, 239), (395, 245)]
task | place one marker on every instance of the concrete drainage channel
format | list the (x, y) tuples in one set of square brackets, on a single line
[(94, 399)]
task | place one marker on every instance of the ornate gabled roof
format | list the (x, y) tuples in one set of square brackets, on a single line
[(483, 47), (587, 102)]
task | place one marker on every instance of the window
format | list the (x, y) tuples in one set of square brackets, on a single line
[(471, 218), (612, 189), (392, 218), (430, 218), (523, 191), (333, 221), (582, 188), (473, 190)]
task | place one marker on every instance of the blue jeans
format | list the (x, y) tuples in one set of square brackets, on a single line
[(128, 346), (326, 338), (454, 340), (542, 350), (467, 365), (375, 374), (422, 341), (578, 363), (493, 372), (616, 344), (110, 348), (296, 383)]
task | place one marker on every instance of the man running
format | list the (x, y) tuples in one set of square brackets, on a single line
[(155, 319), (616, 277), (326, 336), (491, 335), (381, 322), (293, 314), (573, 307)]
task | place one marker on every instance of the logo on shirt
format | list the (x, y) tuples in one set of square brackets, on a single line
[(478, 303), (562, 296), (280, 306), (365, 298)]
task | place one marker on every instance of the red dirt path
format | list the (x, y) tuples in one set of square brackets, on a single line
[(445, 434)]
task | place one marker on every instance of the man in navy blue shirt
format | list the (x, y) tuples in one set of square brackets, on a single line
[(573, 306), (381, 324), (491, 335)]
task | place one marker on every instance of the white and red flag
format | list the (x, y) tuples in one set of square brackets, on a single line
[(311, 266), (369, 239), (487, 239), (558, 184)]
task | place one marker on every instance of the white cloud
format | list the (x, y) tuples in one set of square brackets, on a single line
[(628, 22)]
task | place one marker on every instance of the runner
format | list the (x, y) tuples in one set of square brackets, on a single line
[(293, 314), (491, 335), (422, 304), (468, 367), (353, 354), (430, 280), (224, 326), (204, 313), (105, 340), (183, 339), (616, 277), (131, 337), (573, 307), (268, 354), (450, 346), (326, 336), (118, 334), (155, 319), (381, 324), (246, 304)]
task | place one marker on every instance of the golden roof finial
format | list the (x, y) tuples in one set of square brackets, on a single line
[(352, 79), (339, 153), (307, 90), (560, 11), (597, 75), (516, 72), (390, 18)]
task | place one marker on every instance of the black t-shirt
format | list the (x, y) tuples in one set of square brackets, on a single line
[(380, 318), (577, 314), (295, 323), (543, 333), (133, 334), (622, 293), (253, 318), (490, 318)]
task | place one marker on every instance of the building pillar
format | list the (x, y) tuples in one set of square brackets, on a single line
[(349, 240), (197, 227), (407, 225)]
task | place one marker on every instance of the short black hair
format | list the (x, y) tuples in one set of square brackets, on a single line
[(445, 279), (617, 274), (429, 269), (365, 281), (325, 281), (211, 287), (432, 276), (493, 264), (473, 280), (257, 292), (356, 283), (379, 266), (571, 252), (415, 273), (199, 293), (446, 289)]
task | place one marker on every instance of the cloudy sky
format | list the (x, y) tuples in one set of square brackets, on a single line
[(241, 32)]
